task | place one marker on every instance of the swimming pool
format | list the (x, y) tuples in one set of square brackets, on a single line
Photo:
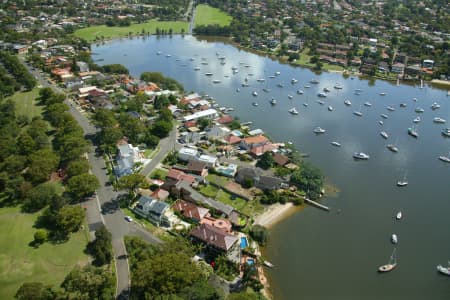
[(250, 261), (244, 242)]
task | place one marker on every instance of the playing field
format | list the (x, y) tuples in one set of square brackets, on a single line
[(103, 31), (26, 103), (19, 262), (207, 15)]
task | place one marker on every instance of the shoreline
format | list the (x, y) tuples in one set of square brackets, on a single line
[(275, 213)]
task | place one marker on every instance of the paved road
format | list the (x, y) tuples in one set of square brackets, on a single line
[(104, 208), (191, 23), (166, 145)]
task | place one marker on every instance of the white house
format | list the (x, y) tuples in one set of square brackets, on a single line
[(127, 157), (187, 154), (211, 161), (155, 211), (208, 113)]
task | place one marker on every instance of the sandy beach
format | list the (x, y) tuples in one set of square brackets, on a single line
[(274, 214)]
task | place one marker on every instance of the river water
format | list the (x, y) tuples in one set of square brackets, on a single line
[(332, 255)]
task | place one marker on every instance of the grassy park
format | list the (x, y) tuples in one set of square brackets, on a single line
[(26, 103), (20, 262), (97, 32), (207, 15)]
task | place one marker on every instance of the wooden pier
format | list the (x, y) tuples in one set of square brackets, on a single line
[(316, 204)]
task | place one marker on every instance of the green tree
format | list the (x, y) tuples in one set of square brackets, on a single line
[(70, 218), (259, 234), (25, 144), (82, 185), (266, 161), (34, 291), (131, 182), (89, 283), (77, 167), (40, 196), (42, 163), (309, 179), (162, 128), (40, 236), (101, 247)]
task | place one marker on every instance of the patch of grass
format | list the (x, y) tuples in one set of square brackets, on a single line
[(19, 262), (209, 191), (150, 153), (305, 58), (159, 174), (207, 15), (96, 32), (159, 232), (26, 103), (219, 180)]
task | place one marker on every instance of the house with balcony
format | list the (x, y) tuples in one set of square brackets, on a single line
[(157, 212)]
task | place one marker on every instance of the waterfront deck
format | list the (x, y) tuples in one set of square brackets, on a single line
[(316, 204)]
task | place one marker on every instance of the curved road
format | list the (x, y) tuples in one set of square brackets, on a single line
[(105, 210)]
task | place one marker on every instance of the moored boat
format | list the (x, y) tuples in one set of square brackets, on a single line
[(209, 74), (347, 102), (444, 270), (361, 155), (300, 92), (444, 158), (357, 113), (399, 215), (416, 120), (290, 96), (254, 93), (419, 110), (384, 134), (390, 265), (322, 95), (384, 116), (392, 147), (435, 106), (319, 130), (382, 94), (314, 81), (394, 238), (413, 132), (368, 104), (439, 120), (403, 105), (294, 81), (390, 108), (336, 144), (330, 108), (293, 111), (255, 103), (446, 132), (273, 101)]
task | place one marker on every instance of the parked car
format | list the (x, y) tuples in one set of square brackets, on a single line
[(129, 219)]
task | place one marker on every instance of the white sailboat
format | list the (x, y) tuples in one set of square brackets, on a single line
[(391, 264), (444, 270), (403, 182)]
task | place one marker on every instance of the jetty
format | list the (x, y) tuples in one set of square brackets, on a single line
[(316, 204)]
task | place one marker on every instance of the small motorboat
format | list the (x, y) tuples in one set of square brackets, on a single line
[(197, 68), (403, 105), (293, 111), (390, 265), (368, 104), (384, 134), (330, 108), (209, 74), (290, 96), (361, 155), (347, 102), (382, 94), (294, 81), (255, 103), (444, 158), (444, 270), (390, 108), (446, 132), (419, 110), (280, 85), (319, 130), (322, 95), (338, 86), (238, 90), (435, 106), (320, 102), (416, 120), (254, 93), (399, 215), (439, 120), (266, 90), (216, 81), (314, 81), (381, 122), (412, 132), (260, 79), (394, 238), (277, 73), (273, 101), (392, 147), (402, 183), (326, 90), (384, 116), (300, 92), (336, 144), (357, 113)]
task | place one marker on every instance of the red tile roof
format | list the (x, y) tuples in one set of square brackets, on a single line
[(190, 210), (180, 175), (214, 237)]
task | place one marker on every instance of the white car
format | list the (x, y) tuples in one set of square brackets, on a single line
[(129, 219)]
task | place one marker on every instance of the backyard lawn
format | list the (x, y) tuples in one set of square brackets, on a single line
[(207, 15), (94, 32), (26, 103), (19, 262)]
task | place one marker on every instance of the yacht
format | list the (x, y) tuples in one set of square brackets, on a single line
[(293, 111), (294, 81), (272, 76), (392, 147), (209, 74), (330, 108), (390, 108), (280, 85), (305, 104), (307, 86), (384, 116), (403, 105), (322, 95), (381, 122), (394, 238), (435, 106), (338, 86), (336, 144), (266, 90), (204, 63), (168, 55), (412, 132), (416, 120), (402, 183), (255, 103), (260, 79), (216, 81), (245, 84), (382, 94), (326, 90), (390, 265), (273, 101), (197, 68), (399, 215), (300, 92), (360, 155), (439, 120), (419, 110), (368, 104), (444, 158), (357, 113), (384, 134), (277, 73), (347, 102), (446, 132), (254, 93), (444, 270), (290, 96), (319, 130), (314, 81), (320, 102)]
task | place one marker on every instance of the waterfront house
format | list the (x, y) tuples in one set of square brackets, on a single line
[(190, 211), (262, 182), (127, 157), (215, 238), (398, 68), (225, 119), (254, 141), (280, 159), (153, 210), (208, 114)]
